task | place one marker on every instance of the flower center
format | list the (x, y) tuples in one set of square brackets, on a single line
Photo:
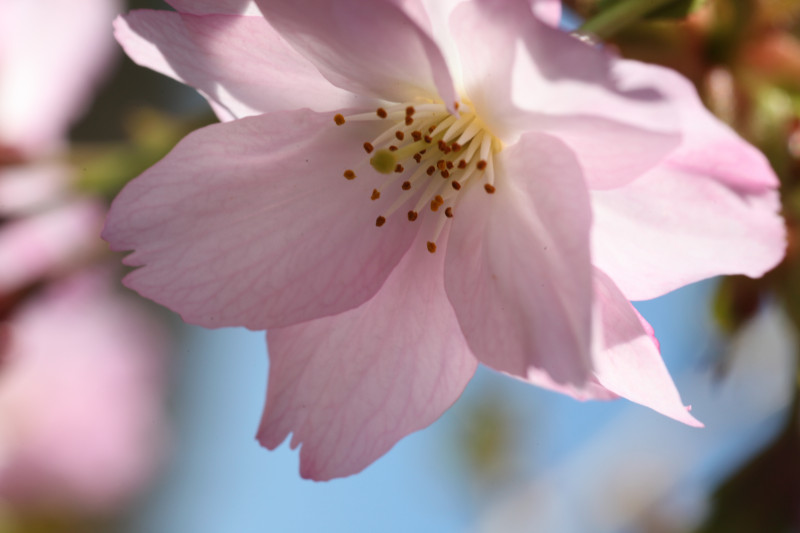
[(432, 153)]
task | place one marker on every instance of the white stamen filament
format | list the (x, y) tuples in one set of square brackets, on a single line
[(426, 142)]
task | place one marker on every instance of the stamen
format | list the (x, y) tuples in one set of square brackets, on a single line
[(400, 144)]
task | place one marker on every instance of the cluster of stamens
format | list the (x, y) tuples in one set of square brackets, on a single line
[(434, 152)]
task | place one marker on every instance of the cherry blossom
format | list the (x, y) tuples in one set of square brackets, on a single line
[(400, 190)]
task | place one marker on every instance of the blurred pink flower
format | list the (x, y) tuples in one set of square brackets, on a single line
[(559, 182), (81, 379), (51, 55), (81, 398)]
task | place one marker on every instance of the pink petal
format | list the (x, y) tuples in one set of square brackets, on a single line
[(26, 189), (523, 75), (671, 227), (518, 271), (709, 146), (251, 223), (219, 7), (42, 245), (351, 385), (548, 11), (626, 356), (81, 398), (239, 63), (369, 48), (52, 53)]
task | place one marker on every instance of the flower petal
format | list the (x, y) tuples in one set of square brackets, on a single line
[(218, 7), (709, 146), (523, 75), (369, 48), (251, 223), (626, 355), (46, 82), (672, 227), (548, 11), (350, 386), (82, 423), (238, 63), (518, 271), (42, 245)]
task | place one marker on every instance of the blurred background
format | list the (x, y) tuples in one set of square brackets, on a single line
[(117, 417)]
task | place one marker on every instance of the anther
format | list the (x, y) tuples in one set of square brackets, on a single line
[(448, 212), (380, 221), (368, 147), (456, 147), (445, 174), (462, 164), (434, 206), (409, 121), (456, 185), (375, 194), (489, 188), (455, 105), (442, 145), (431, 170), (431, 247), (481, 164), (449, 165), (412, 216), (410, 110), (338, 118), (428, 139), (441, 164), (392, 148), (400, 135), (381, 112), (430, 130), (349, 174), (418, 158), (406, 185), (399, 168), (416, 135)]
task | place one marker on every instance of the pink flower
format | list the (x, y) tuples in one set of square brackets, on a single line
[(586, 181), (51, 54), (81, 392)]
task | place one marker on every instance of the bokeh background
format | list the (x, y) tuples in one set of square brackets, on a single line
[(168, 444)]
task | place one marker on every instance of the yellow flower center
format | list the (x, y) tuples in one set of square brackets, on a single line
[(432, 153)]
